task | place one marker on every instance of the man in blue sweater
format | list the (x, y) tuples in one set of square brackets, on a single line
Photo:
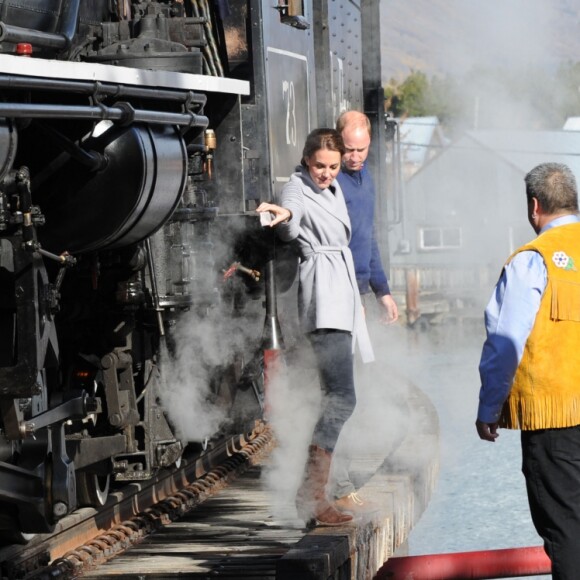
[(359, 193)]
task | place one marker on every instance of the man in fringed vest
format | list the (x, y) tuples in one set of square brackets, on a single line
[(530, 367)]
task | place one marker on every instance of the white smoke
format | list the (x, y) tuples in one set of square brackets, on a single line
[(202, 345), (294, 400), (382, 421), (503, 56)]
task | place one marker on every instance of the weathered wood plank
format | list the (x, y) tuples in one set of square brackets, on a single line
[(238, 534)]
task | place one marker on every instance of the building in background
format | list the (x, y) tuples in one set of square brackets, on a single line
[(572, 124), (464, 211), (421, 139)]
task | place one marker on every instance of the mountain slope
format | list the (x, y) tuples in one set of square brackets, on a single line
[(451, 36)]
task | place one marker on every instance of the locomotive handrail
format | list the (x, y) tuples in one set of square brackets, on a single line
[(98, 88), (119, 113)]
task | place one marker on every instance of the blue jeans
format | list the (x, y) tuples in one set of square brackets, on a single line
[(551, 466), (342, 484), (333, 352)]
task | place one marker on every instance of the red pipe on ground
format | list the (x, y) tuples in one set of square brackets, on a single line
[(481, 565)]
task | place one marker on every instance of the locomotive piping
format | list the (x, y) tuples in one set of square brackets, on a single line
[(91, 159), (16, 34), (69, 22), (115, 113), (154, 289), (65, 259), (101, 89)]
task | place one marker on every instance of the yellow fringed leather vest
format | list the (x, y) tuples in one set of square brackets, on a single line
[(546, 389)]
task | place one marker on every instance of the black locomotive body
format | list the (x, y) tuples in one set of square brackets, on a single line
[(136, 140)]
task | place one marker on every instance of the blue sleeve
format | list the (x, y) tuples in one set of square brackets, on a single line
[(378, 279), (509, 318)]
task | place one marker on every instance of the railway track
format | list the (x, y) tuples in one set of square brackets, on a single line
[(89, 537)]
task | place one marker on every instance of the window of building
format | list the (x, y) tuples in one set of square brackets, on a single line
[(439, 238)]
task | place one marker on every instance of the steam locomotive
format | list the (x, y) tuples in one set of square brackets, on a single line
[(136, 139)]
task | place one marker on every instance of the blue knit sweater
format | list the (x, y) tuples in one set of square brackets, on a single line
[(359, 193)]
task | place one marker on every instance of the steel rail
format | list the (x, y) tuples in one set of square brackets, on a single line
[(79, 542)]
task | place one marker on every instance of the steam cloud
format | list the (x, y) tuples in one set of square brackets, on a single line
[(202, 345), (382, 421), (489, 48), (453, 36)]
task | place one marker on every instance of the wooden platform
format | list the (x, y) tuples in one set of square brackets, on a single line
[(249, 531), (234, 535)]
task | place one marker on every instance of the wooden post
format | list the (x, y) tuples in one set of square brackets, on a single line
[(412, 295)]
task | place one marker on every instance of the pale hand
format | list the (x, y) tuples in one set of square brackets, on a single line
[(389, 312), (281, 214)]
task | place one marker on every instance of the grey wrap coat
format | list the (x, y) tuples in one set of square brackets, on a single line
[(320, 227)]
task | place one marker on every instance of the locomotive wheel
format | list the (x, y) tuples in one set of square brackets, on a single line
[(92, 489), (9, 530), (8, 537)]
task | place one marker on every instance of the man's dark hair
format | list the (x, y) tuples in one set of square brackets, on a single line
[(554, 186)]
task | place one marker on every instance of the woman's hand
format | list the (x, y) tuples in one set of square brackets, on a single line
[(281, 214)]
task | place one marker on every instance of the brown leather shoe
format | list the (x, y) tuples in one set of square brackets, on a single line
[(355, 504), (328, 515), (311, 502)]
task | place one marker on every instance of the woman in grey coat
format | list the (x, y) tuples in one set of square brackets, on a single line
[(312, 213)]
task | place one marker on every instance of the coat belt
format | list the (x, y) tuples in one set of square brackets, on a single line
[(360, 333)]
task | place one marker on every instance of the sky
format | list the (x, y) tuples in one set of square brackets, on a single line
[(451, 36)]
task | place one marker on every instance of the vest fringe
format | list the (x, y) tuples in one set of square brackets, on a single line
[(548, 412), (565, 304)]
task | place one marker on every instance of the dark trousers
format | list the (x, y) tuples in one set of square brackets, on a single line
[(551, 466), (333, 352)]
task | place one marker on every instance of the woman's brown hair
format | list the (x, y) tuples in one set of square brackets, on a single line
[(324, 138)]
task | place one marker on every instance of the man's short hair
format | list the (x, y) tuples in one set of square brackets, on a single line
[(554, 186), (352, 120)]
